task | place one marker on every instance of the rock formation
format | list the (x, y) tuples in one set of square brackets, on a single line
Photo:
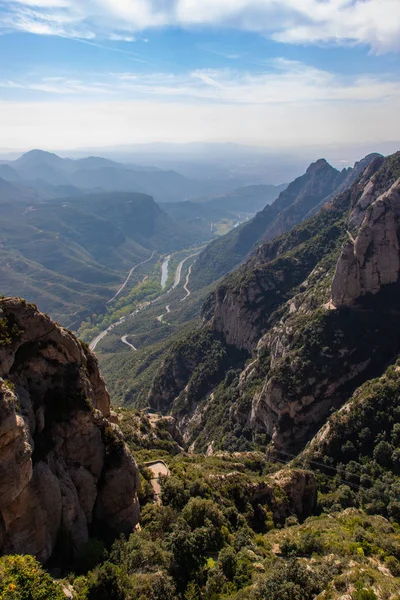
[(64, 469), (371, 260)]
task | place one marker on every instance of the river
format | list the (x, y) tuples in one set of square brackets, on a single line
[(164, 272)]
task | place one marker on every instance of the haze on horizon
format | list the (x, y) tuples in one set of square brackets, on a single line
[(278, 75)]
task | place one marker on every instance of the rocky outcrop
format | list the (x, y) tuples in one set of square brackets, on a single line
[(64, 469), (351, 175), (371, 259), (287, 492), (290, 491)]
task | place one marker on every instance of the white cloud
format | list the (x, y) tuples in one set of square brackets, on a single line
[(288, 104), (282, 81), (372, 22)]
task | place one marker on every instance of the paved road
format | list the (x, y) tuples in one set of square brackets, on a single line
[(185, 287), (179, 269), (125, 341), (103, 334), (161, 317), (157, 467), (145, 304), (129, 276)]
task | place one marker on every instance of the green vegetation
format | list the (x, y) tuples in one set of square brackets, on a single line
[(360, 458), (71, 256), (214, 538), (22, 578), (9, 331), (145, 291)]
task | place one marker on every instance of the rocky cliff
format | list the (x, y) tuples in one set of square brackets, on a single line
[(315, 310), (64, 469), (370, 260)]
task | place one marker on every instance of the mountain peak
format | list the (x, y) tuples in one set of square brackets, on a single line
[(36, 156), (321, 163)]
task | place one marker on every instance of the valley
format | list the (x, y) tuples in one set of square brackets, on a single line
[(199, 300), (139, 298), (245, 437)]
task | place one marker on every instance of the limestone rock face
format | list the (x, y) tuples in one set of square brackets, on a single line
[(64, 469), (371, 260)]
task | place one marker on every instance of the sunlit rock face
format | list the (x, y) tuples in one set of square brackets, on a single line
[(63, 467)]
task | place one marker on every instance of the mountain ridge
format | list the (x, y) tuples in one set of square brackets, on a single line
[(273, 306)]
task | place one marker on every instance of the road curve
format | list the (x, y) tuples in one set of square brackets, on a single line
[(125, 341), (129, 276), (178, 272), (161, 317), (185, 287), (145, 304), (103, 334)]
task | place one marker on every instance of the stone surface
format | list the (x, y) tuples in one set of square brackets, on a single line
[(63, 466), (371, 259)]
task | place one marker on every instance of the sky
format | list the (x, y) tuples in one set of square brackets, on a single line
[(272, 73)]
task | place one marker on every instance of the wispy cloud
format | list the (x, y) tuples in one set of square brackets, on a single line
[(375, 23), (281, 82), (59, 86)]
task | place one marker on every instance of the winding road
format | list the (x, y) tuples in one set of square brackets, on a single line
[(179, 269), (103, 334), (125, 341), (185, 287), (161, 317), (129, 276), (93, 344)]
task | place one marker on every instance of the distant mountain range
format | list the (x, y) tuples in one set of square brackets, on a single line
[(53, 176), (250, 198), (70, 230)]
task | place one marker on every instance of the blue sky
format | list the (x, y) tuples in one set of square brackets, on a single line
[(275, 73)]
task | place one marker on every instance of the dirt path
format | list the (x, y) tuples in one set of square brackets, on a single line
[(157, 467), (129, 276), (125, 341)]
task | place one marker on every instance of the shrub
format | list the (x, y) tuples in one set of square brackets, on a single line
[(22, 578), (393, 565), (364, 594), (291, 582), (108, 582), (228, 561), (139, 554), (310, 543), (152, 586)]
